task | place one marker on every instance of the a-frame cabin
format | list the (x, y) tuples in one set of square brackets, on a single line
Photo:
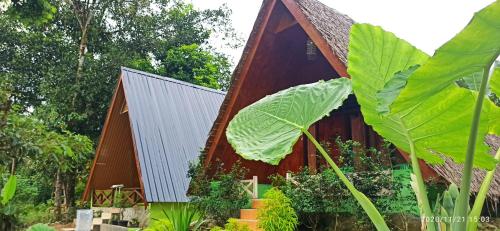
[(293, 42), (155, 126)]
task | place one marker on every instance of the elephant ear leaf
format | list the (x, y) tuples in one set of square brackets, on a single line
[(392, 88), (379, 64), (8, 190), (469, 53), (268, 129)]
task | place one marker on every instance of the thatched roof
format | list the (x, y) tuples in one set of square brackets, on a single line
[(333, 25), (452, 172)]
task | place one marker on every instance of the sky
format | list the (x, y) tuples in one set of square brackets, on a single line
[(427, 24)]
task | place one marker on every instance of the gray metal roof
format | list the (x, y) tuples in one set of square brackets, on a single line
[(170, 122)]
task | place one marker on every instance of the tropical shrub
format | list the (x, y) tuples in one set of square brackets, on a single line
[(7, 218), (232, 225), (317, 198), (221, 197), (277, 213), (184, 217)]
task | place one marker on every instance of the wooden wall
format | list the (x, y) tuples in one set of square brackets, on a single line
[(115, 163)]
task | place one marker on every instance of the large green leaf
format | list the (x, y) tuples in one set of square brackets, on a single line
[(8, 190), (469, 53), (437, 125), (268, 129), (495, 79), (391, 89)]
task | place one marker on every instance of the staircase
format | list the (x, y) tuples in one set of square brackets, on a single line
[(249, 216)]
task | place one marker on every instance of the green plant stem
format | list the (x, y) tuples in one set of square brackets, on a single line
[(481, 197), (460, 218), (367, 205), (422, 190)]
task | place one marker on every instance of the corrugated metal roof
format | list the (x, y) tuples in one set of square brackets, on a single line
[(170, 122)]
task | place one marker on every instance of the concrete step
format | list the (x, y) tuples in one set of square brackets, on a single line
[(257, 203), (252, 224), (248, 214)]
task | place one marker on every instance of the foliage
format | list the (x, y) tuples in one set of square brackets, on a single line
[(495, 79), (184, 217), (428, 120), (40, 227), (232, 225), (277, 213), (316, 198), (161, 225), (444, 206), (401, 199), (57, 74), (475, 213), (8, 190), (36, 12), (31, 214), (427, 116), (193, 64), (7, 220), (221, 199), (28, 144), (268, 129)]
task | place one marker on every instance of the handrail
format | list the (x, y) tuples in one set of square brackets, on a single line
[(251, 187)]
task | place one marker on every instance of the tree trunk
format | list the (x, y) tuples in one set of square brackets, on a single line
[(58, 196), (13, 166), (81, 61), (69, 189)]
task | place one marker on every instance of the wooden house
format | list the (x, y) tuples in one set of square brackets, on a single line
[(293, 42), (154, 128), (297, 42)]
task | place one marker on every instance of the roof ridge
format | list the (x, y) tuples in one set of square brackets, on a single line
[(172, 80)]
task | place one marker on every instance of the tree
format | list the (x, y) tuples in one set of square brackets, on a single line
[(193, 64), (59, 63), (72, 64)]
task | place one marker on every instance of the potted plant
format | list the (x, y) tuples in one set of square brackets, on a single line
[(114, 219), (134, 223), (122, 203)]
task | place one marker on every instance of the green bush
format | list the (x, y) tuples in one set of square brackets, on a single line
[(40, 227), (160, 225), (232, 225), (221, 199), (184, 217), (317, 198), (277, 213), (402, 199)]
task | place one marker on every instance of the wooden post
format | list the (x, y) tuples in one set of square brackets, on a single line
[(311, 151), (358, 134), (255, 187)]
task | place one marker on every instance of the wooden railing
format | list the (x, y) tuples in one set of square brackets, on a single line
[(105, 198), (251, 187)]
